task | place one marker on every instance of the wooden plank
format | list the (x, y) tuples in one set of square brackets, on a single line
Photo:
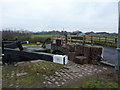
[(79, 35)]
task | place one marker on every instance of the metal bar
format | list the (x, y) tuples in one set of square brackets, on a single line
[(117, 64)]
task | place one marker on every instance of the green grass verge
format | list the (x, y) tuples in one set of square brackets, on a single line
[(34, 73), (97, 83), (105, 44), (29, 44)]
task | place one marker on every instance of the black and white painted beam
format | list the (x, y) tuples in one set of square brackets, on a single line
[(12, 55)]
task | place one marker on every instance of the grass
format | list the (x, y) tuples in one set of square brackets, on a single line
[(101, 38), (105, 44), (34, 73), (29, 44), (97, 83), (45, 35)]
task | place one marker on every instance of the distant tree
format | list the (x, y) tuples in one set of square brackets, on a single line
[(11, 35)]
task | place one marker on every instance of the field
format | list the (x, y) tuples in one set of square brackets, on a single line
[(45, 35), (105, 41)]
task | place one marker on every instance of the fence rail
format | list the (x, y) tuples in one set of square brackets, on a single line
[(109, 41)]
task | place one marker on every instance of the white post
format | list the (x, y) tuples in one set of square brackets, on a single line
[(117, 64)]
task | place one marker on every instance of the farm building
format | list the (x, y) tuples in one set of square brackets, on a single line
[(81, 34)]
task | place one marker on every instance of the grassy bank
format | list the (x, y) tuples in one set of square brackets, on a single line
[(97, 83), (29, 44), (27, 74)]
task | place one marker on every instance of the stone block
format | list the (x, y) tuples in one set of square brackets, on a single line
[(71, 56), (70, 47), (81, 60), (79, 49), (87, 51), (96, 52)]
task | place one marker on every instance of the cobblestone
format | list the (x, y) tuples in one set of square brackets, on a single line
[(49, 82), (56, 83), (72, 71)]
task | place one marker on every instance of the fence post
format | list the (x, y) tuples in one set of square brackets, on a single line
[(115, 40), (99, 38), (2, 47), (92, 40), (105, 39), (66, 39), (84, 40)]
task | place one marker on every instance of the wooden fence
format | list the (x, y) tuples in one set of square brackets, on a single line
[(108, 41), (75, 38), (87, 39)]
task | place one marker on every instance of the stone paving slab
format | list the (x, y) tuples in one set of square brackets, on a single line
[(0, 77), (71, 71)]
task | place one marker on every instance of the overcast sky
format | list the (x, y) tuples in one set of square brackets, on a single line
[(42, 15)]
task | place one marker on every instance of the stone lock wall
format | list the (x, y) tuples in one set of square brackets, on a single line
[(86, 53)]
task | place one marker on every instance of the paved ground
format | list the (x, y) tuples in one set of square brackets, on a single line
[(110, 54), (0, 77), (72, 73), (0, 73), (0, 69)]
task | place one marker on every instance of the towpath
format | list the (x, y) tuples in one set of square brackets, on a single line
[(110, 54)]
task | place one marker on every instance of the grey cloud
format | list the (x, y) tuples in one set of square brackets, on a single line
[(71, 15)]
